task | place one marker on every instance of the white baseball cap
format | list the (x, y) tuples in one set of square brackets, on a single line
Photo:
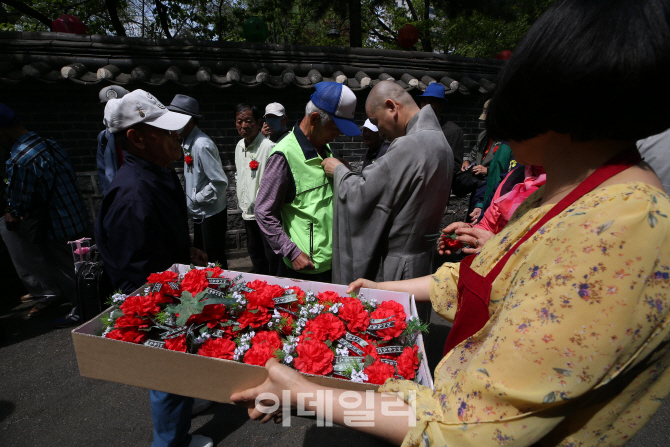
[(370, 126), (140, 106), (275, 109)]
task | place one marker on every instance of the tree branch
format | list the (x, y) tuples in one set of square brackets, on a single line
[(383, 25), (162, 15), (381, 36), (27, 10), (114, 17), (425, 41), (412, 11)]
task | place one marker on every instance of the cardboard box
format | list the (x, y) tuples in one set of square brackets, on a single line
[(204, 377)]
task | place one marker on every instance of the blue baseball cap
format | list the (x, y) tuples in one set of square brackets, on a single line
[(340, 102), (434, 90), (7, 117)]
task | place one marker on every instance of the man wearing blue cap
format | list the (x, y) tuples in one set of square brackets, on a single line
[(433, 96), (294, 205)]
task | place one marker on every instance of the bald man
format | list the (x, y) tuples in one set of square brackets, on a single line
[(383, 218)]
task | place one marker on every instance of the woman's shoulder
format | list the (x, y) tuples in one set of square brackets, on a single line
[(629, 197)]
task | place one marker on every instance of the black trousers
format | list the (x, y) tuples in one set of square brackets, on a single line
[(210, 237), (286, 272), (263, 258)]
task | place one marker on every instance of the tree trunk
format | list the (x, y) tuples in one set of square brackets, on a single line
[(27, 10), (355, 33), (425, 41), (162, 14), (114, 17)]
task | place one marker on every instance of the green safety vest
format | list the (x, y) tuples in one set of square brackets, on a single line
[(308, 219)]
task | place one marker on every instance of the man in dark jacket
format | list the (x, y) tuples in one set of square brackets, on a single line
[(434, 96), (142, 226)]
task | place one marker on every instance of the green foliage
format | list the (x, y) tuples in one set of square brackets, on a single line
[(189, 305), (411, 332), (162, 317), (476, 28)]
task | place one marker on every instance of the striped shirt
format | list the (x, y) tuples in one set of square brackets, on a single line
[(38, 170)]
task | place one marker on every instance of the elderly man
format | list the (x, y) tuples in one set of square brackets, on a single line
[(385, 217), (251, 154), (433, 96), (44, 210), (377, 147), (109, 157), (205, 183), (294, 206), (142, 226), (274, 127)]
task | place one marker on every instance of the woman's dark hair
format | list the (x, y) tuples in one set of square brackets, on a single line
[(244, 107), (594, 69)]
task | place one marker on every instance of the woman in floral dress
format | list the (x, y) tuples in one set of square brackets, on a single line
[(571, 344)]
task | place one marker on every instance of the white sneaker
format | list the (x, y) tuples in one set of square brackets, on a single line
[(201, 441), (200, 405)]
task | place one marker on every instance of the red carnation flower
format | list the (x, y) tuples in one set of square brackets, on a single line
[(212, 314), (388, 309), (188, 160), (176, 344), (314, 357), (378, 372), (163, 277), (269, 338), (371, 350), (324, 326), (261, 297), (253, 164), (354, 313), (221, 348), (195, 281), (163, 296), (254, 320), (328, 298), (217, 272), (300, 294), (129, 334), (287, 328), (408, 362), (140, 306), (259, 354), (131, 321)]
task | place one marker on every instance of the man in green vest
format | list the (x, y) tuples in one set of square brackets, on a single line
[(294, 205)]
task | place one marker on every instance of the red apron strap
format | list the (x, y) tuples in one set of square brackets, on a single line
[(612, 167)]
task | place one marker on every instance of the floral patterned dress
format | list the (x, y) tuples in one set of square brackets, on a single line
[(576, 348)]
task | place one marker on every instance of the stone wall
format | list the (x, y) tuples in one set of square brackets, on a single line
[(70, 114)]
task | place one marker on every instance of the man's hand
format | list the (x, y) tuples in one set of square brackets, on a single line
[(480, 170), (302, 262), (465, 165), (329, 165), (13, 223), (198, 257), (266, 130), (474, 215)]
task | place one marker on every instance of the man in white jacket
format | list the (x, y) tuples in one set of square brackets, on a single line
[(251, 154)]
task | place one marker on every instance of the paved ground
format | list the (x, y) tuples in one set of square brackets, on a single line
[(44, 401)]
